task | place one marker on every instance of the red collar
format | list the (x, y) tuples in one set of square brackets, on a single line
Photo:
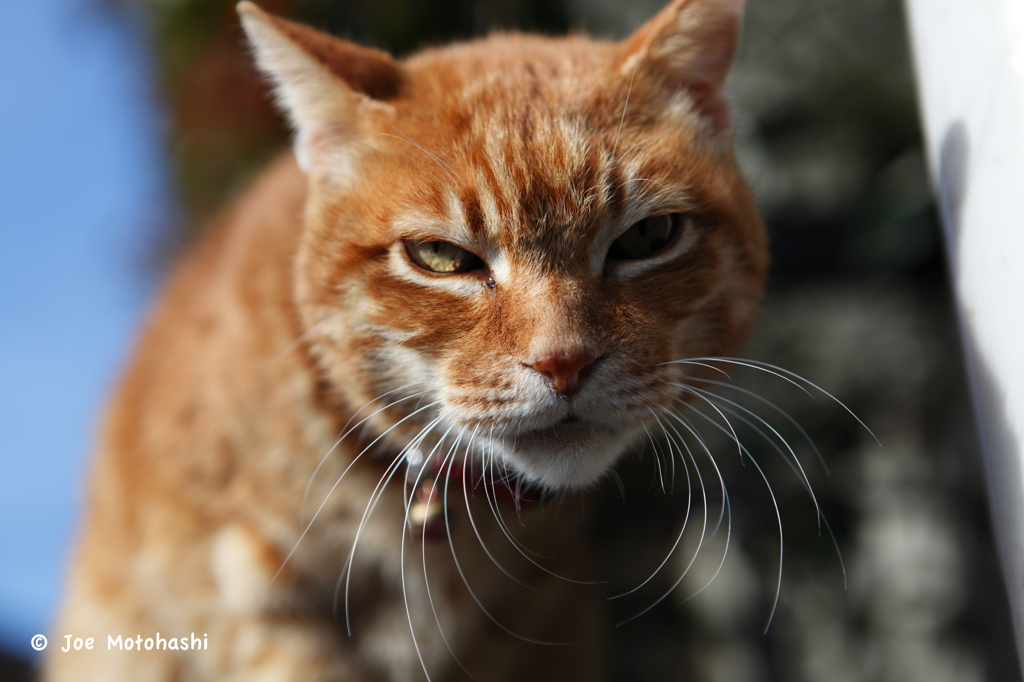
[(428, 516)]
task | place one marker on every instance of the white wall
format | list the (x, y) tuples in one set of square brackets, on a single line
[(970, 64)]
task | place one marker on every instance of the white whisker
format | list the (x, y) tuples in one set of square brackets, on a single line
[(792, 460), (692, 430), (625, 105), (465, 582), (345, 431), (785, 374), (679, 538), (371, 505), (794, 464), (769, 403), (423, 550), (778, 515), (335, 486), (476, 532)]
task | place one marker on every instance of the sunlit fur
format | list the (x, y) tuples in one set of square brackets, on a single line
[(298, 357)]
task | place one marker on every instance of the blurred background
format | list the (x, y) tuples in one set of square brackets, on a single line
[(126, 123)]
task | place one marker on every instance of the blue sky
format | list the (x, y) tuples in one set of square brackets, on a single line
[(82, 195)]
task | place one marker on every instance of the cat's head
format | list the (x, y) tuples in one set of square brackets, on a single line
[(509, 240)]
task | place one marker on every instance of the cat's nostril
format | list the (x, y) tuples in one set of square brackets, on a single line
[(564, 371)]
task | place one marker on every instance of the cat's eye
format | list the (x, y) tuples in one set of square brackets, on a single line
[(441, 257), (646, 237)]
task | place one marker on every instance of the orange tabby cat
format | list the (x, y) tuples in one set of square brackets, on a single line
[(462, 292)]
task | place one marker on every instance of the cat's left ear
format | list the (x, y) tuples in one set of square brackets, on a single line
[(690, 45), (329, 88)]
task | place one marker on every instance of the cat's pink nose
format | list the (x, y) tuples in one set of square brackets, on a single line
[(563, 370)]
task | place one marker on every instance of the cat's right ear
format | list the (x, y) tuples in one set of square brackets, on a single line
[(327, 86), (688, 46)]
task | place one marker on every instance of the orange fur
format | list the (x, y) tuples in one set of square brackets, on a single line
[(303, 310)]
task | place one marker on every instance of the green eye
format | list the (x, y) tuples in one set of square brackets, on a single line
[(441, 257), (645, 238)]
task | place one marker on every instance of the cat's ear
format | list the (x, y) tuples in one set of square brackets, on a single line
[(689, 45), (327, 86)]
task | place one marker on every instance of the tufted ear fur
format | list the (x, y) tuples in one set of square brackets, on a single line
[(688, 45), (327, 86)]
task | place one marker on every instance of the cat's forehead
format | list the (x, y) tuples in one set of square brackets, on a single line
[(526, 135), (522, 183), (514, 91)]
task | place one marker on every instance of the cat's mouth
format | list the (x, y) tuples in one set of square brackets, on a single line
[(572, 452), (567, 428)]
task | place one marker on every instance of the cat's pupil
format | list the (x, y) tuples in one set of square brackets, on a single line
[(441, 257), (645, 238)]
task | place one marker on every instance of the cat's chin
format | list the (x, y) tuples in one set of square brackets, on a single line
[(570, 454)]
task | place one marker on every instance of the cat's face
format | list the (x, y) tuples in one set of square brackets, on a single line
[(509, 242)]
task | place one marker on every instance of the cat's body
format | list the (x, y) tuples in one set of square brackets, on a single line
[(178, 544), (458, 271)]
